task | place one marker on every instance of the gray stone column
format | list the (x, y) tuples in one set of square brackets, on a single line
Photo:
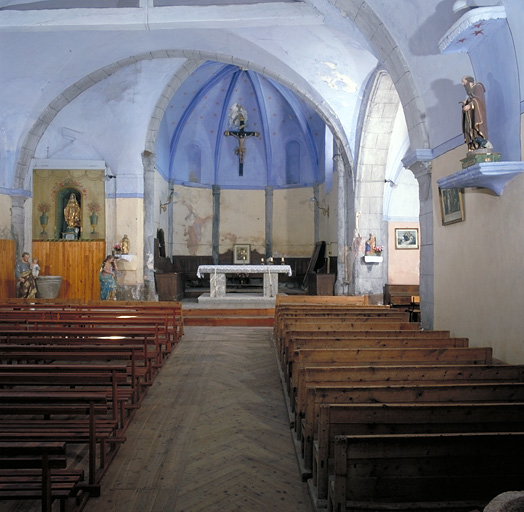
[(420, 164), (148, 161), (269, 222), (18, 224), (316, 216), (343, 249), (216, 224)]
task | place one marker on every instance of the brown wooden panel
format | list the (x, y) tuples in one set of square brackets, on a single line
[(77, 262), (7, 270)]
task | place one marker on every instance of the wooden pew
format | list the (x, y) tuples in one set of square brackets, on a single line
[(337, 325), (92, 427), (299, 343), (385, 356), (399, 393), (455, 471), (345, 334), (356, 300), (391, 418), (171, 310), (154, 330), (284, 313), (47, 353), (142, 345), (37, 471), (112, 381), (396, 374), (399, 295)]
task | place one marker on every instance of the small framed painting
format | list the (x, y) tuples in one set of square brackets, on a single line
[(406, 238), (241, 254), (451, 205)]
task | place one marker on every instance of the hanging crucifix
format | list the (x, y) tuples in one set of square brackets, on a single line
[(238, 117)]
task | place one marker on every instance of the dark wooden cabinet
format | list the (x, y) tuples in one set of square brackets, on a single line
[(169, 286), (321, 284)]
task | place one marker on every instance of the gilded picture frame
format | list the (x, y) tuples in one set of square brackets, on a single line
[(451, 205), (241, 254)]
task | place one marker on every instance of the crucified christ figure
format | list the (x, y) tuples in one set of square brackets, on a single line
[(240, 135)]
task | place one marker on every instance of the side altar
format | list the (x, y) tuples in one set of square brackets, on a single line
[(217, 276)]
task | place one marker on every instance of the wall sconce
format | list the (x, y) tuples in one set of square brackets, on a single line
[(325, 211), (391, 182), (163, 206)]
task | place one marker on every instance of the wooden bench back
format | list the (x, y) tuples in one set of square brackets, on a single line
[(425, 471)]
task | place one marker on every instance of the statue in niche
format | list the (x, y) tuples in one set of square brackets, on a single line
[(371, 242), (125, 245), (72, 213), (474, 119)]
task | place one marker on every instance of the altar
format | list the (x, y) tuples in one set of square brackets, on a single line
[(217, 277)]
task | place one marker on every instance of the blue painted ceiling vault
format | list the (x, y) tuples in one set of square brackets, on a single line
[(193, 150)]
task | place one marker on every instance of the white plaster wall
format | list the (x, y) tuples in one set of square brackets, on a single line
[(479, 266), (242, 219), (293, 229), (192, 221), (403, 264), (328, 224), (109, 122), (130, 222)]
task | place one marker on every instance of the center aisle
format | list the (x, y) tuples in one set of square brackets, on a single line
[(212, 433)]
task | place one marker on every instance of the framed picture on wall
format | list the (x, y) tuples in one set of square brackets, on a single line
[(406, 238), (451, 205), (241, 254)]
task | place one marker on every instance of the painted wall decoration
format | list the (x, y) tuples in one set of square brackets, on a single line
[(68, 204)]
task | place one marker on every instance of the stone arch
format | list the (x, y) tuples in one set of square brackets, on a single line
[(393, 61), (419, 159), (377, 122)]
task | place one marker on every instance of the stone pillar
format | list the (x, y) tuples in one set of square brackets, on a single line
[(316, 215), (269, 222), (420, 164), (18, 224), (215, 237), (148, 161), (343, 276)]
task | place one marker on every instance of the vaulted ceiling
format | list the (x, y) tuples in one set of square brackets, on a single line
[(284, 145)]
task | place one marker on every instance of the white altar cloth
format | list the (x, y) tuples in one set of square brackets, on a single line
[(217, 276)]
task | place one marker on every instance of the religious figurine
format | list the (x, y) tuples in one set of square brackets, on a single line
[(371, 242), (474, 120), (125, 245), (72, 212)]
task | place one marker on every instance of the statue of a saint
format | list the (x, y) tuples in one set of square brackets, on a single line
[(125, 245), (474, 120), (72, 212), (371, 242)]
